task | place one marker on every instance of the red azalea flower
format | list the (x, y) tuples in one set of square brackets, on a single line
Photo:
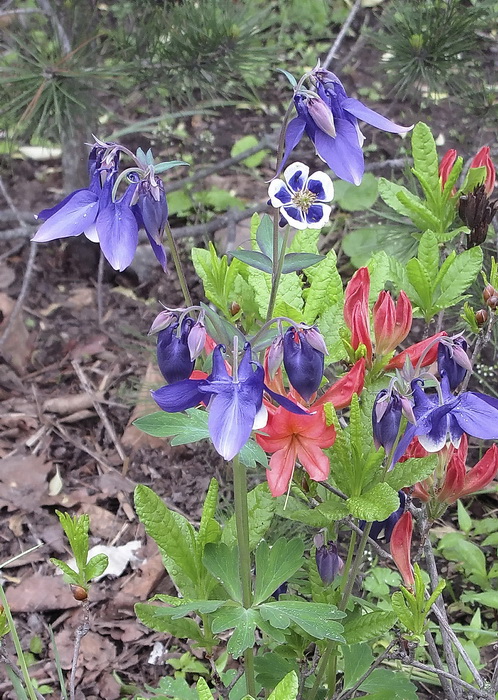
[(392, 323), (401, 542), (426, 351), (482, 158)]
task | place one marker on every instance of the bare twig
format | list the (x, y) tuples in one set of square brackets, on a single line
[(82, 630), (217, 223), (351, 691), (475, 692), (51, 13), (494, 678), (100, 289), (342, 33), (482, 340), (85, 383), (436, 660), (373, 543)]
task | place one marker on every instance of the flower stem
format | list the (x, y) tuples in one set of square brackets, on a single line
[(178, 265), (277, 269), (242, 525)]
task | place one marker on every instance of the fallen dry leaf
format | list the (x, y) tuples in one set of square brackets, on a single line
[(38, 592), (16, 348), (24, 481)]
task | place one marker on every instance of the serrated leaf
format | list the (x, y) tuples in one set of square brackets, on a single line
[(402, 611), (222, 562), (154, 617), (428, 254), (330, 323), (261, 508), (72, 576), (474, 177), (421, 283), (287, 688), (325, 289), (289, 290), (426, 160), (435, 595), (418, 210), (372, 625), (243, 621), (96, 566), (252, 454), (173, 535), (389, 192), (305, 241), (300, 261), (203, 690), (208, 511), (376, 504), (464, 271), (254, 259), (217, 276), (411, 471), (276, 565)]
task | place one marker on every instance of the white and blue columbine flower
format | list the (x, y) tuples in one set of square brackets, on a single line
[(302, 197)]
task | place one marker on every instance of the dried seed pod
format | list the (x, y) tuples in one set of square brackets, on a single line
[(481, 317), (79, 593)]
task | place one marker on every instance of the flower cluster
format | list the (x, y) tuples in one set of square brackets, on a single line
[(106, 217)]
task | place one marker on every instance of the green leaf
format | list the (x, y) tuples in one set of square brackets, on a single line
[(379, 268), (96, 566), (271, 668), (254, 259), (173, 535), (317, 619), (289, 76), (421, 283), (474, 177), (223, 563), (402, 611), (410, 472), (331, 321), (357, 660), (325, 289), (418, 211), (425, 159), (434, 595), (452, 178), (243, 620), (361, 243), (187, 427), (154, 617), (261, 507), (488, 598), (71, 575), (372, 625), (376, 504), (244, 144), (300, 261), (289, 290), (356, 197), (464, 519), (456, 548), (305, 241), (76, 530), (203, 690), (163, 167), (464, 271), (275, 565), (428, 254), (389, 685), (208, 511), (287, 688), (252, 454), (389, 192), (264, 236), (217, 276)]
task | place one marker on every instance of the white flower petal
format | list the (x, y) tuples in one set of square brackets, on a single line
[(279, 193), (296, 175), (324, 219), (325, 193), (261, 418), (294, 216)]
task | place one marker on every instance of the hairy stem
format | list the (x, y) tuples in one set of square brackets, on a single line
[(242, 524)]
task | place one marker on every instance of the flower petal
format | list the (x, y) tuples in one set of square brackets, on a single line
[(322, 186), (296, 176), (294, 217), (477, 415), (91, 234), (158, 251), (342, 153), (77, 215), (231, 417), (293, 134), (118, 234), (360, 111), (281, 467), (279, 193), (318, 215), (179, 395), (313, 459)]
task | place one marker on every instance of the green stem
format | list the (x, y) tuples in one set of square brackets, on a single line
[(352, 573), (277, 273), (17, 644), (242, 525), (178, 265)]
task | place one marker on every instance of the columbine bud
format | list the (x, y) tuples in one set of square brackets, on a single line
[(303, 363), (482, 158), (477, 211), (391, 323), (401, 540), (196, 339), (152, 207), (275, 355), (321, 114), (386, 418), (452, 359), (173, 354), (315, 339), (481, 317), (162, 321), (328, 562), (446, 165)]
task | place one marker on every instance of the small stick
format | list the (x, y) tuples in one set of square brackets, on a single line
[(100, 289), (476, 692), (342, 33), (82, 630), (436, 660), (350, 692)]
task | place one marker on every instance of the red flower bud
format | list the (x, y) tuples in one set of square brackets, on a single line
[(482, 474), (391, 323), (357, 291), (401, 541), (482, 158), (446, 165), (453, 481), (417, 352)]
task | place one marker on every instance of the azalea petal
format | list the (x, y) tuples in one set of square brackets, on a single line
[(231, 417), (322, 186), (477, 415), (342, 153), (360, 111), (282, 465), (293, 134), (296, 176), (318, 215), (77, 215), (294, 217), (279, 193), (179, 395), (341, 393), (312, 458)]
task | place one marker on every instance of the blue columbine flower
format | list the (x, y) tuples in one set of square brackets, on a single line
[(328, 562), (330, 119), (452, 359), (301, 198), (234, 402), (173, 352), (441, 416), (303, 363)]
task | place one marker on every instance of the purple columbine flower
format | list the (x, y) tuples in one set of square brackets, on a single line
[(452, 358), (303, 363), (328, 561), (386, 419), (151, 212), (173, 352), (330, 119), (441, 416), (382, 529), (234, 403), (301, 198)]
